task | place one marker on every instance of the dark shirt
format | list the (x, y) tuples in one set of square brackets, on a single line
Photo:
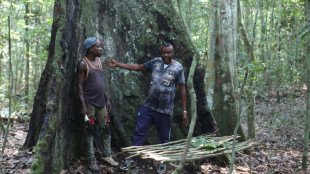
[(93, 87), (163, 85)]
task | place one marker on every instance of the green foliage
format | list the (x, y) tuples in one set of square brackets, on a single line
[(208, 144), (197, 17), (39, 28), (279, 54), (302, 34), (280, 63)]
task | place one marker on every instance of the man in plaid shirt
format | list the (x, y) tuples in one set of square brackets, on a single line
[(157, 107)]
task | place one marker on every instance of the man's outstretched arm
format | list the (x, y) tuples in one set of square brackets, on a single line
[(113, 63)]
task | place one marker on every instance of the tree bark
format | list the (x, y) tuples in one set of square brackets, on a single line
[(11, 82), (36, 63), (131, 32), (1, 58), (27, 3), (221, 76), (16, 83), (269, 47), (304, 165), (279, 76), (263, 32), (249, 51)]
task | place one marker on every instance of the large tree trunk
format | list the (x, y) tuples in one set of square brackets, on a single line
[(131, 32), (221, 75)]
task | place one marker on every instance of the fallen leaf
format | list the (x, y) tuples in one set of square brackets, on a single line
[(63, 172), (242, 169)]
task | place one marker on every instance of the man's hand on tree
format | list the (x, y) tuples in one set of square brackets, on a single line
[(110, 63)]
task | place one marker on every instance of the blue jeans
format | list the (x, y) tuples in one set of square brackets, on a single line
[(146, 117)]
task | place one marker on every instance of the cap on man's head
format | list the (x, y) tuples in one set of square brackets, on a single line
[(90, 41)]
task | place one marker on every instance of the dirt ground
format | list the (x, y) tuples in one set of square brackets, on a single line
[(279, 137)]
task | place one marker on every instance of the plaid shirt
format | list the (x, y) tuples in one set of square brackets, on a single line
[(163, 85)]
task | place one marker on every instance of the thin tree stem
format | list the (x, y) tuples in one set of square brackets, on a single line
[(11, 75), (192, 93)]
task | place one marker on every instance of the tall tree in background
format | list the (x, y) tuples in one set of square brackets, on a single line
[(249, 51), (277, 56), (263, 32), (23, 31), (269, 47), (221, 79), (307, 124), (1, 57), (27, 4), (131, 32), (10, 89)]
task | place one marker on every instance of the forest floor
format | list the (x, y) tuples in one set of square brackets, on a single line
[(279, 138)]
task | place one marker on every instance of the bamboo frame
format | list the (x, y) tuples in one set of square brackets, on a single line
[(172, 151)]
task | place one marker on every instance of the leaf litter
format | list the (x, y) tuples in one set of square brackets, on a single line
[(279, 137)]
